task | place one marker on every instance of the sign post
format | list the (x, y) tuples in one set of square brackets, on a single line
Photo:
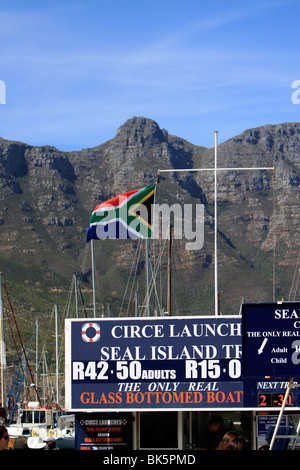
[(281, 413)]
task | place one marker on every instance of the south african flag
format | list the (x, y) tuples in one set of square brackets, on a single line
[(126, 216)]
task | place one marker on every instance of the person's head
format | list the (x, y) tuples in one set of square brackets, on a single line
[(229, 436), (50, 442), (263, 445), (4, 438), (238, 443), (215, 423)]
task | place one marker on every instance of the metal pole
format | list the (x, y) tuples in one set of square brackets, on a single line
[(147, 273), (281, 413), (44, 379), (189, 170), (2, 346), (216, 227), (215, 169), (76, 294), (170, 272), (136, 304), (56, 348), (37, 351)]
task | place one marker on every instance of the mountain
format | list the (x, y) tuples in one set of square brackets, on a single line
[(47, 197)]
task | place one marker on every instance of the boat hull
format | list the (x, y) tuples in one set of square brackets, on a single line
[(65, 442)]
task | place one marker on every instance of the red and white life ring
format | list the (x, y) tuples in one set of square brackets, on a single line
[(96, 336)]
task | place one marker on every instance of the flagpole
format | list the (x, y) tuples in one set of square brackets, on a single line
[(216, 228), (93, 276)]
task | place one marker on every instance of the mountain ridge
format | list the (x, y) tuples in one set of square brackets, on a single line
[(48, 195)]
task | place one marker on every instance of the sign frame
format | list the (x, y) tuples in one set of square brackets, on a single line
[(250, 388), (207, 394)]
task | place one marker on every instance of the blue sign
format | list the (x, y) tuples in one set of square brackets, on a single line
[(165, 363), (154, 363), (271, 340), (103, 431)]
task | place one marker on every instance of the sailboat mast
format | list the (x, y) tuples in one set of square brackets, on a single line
[(2, 346), (36, 351), (76, 294), (170, 272), (56, 350)]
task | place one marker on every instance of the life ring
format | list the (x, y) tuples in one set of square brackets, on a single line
[(51, 433), (96, 336), (34, 433)]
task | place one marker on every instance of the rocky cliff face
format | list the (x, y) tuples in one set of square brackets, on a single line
[(47, 197)]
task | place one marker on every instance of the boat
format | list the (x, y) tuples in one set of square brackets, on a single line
[(38, 439), (66, 440), (31, 418), (64, 434)]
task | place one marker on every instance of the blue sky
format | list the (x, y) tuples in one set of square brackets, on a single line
[(75, 70)]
